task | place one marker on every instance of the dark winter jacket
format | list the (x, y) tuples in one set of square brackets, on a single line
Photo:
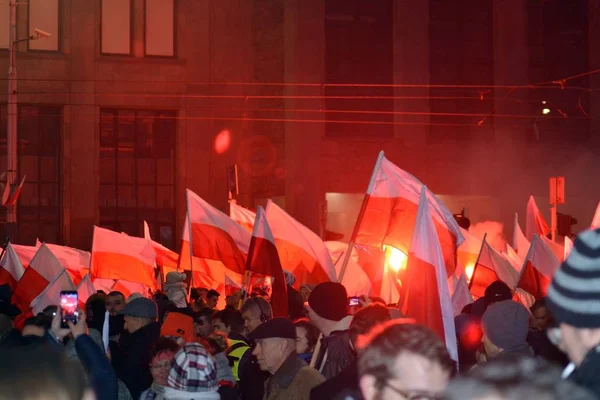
[(343, 386), (131, 358), (586, 375), (251, 378), (335, 353), (101, 374)]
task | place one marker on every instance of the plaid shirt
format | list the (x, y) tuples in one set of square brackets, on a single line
[(193, 370)]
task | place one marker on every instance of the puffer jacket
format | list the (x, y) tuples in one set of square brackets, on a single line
[(335, 353)]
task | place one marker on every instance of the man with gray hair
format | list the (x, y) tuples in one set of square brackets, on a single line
[(291, 378), (574, 299)]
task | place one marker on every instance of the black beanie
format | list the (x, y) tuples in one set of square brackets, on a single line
[(329, 300)]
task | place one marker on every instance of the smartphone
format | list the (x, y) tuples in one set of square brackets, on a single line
[(353, 301), (68, 307)]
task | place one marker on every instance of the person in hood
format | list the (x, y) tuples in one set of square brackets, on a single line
[(291, 378), (573, 300), (328, 311), (132, 355), (175, 288), (193, 375), (505, 326)]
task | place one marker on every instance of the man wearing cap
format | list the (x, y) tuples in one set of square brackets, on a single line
[(505, 325), (132, 355), (574, 300), (328, 311), (291, 378)]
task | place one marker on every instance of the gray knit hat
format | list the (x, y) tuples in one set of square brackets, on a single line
[(574, 293), (506, 324)]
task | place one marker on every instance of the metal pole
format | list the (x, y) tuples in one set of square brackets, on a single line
[(11, 168)]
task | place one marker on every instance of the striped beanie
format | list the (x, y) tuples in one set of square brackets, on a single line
[(574, 293), (193, 370)]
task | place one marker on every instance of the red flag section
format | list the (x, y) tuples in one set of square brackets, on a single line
[(44, 268), (425, 286), (76, 262), (491, 266), (242, 216), (51, 295), (11, 269), (390, 211), (596, 219), (165, 257), (301, 251), (85, 289), (122, 257), (213, 235), (25, 253), (468, 252), (535, 223), (264, 259), (539, 268)]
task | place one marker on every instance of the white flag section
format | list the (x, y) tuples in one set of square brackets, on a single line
[(355, 280), (520, 242), (242, 216), (534, 222), (511, 255), (568, 247), (596, 219), (85, 289), (77, 262), (427, 298), (538, 268), (458, 286), (25, 253), (51, 295), (11, 269), (301, 251)]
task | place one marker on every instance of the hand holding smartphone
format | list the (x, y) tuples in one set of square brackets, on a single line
[(69, 303)]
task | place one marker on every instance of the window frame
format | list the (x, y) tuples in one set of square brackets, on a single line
[(131, 32), (59, 34), (146, 55)]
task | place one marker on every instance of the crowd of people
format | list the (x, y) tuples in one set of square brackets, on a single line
[(177, 345)]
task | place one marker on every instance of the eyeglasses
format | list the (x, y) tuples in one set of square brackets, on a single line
[(413, 395), (161, 365)]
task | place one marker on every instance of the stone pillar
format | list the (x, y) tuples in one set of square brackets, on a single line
[(304, 33)]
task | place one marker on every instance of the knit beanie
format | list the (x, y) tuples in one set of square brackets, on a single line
[(329, 300), (180, 325), (193, 370), (506, 324), (573, 295)]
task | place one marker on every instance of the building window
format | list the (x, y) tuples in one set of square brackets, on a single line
[(45, 15), (359, 41), (116, 27), (4, 25), (137, 159), (39, 153), (160, 28)]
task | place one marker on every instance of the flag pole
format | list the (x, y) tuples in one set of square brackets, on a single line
[(477, 261), (189, 223), (361, 214)]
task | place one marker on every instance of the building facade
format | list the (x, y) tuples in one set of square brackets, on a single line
[(120, 107)]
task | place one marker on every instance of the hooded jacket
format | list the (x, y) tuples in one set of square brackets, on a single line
[(335, 353), (175, 288)]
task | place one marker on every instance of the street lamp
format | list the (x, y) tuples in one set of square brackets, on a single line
[(11, 132)]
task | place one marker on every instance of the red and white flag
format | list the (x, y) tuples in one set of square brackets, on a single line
[(51, 295), (425, 286), (301, 251), (117, 256), (42, 270), (596, 219), (356, 281), (165, 257), (539, 268), (568, 247), (520, 242), (77, 262), (85, 289), (534, 222), (515, 260), (390, 212), (11, 269), (15, 197), (25, 253), (242, 216), (468, 252), (264, 259), (491, 266), (459, 290), (210, 234)]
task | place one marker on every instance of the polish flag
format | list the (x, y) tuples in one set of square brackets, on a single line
[(596, 219), (520, 242), (85, 289), (468, 252), (165, 257), (116, 256), (458, 286), (25, 253), (492, 266), (76, 262), (15, 197), (242, 216), (390, 210), (11, 269), (356, 281), (425, 286), (301, 251), (557, 249), (534, 222), (539, 268), (568, 247), (42, 270), (51, 295), (515, 260), (212, 235), (264, 259)]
